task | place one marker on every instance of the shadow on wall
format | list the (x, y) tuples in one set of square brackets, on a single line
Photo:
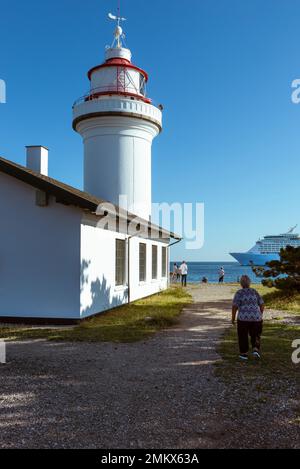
[(101, 296)]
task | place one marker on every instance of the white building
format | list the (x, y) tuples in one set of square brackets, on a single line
[(67, 254)]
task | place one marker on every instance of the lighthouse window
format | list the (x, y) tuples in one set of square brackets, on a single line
[(163, 262), (142, 262), (120, 261), (142, 85), (154, 262)]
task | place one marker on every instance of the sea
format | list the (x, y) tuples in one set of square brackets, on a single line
[(233, 271)]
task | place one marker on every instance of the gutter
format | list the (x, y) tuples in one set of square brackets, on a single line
[(128, 263), (175, 242), (169, 245)]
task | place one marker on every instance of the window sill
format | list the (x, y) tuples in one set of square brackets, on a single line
[(120, 288)]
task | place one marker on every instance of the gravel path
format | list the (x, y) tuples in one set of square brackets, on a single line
[(161, 393)]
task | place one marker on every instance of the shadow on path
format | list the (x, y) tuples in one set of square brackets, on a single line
[(160, 393)]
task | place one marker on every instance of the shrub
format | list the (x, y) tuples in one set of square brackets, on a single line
[(283, 274)]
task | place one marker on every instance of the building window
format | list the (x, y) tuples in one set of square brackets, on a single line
[(154, 262), (143, 262), (163, 262), (120, 262)]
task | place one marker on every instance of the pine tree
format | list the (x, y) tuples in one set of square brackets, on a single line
[(283, 274)]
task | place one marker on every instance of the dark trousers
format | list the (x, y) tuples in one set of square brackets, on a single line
[(221, 279), (252, 329), (183, 280)]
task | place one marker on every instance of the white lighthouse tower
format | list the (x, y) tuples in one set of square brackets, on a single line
[(118, 123)]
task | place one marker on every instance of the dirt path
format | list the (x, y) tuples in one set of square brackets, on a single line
[(161, 393)]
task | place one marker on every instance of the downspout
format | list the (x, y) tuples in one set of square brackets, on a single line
[(128, 269), (128, 263), (175, 242), (169, 245)]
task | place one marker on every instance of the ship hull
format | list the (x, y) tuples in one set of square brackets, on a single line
[(249, 258)]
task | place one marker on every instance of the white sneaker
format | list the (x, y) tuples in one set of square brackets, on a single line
[(243, 357)]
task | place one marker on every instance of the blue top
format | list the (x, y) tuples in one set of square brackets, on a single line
[(248, 302)]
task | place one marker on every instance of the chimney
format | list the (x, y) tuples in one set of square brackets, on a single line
[(37, 159)]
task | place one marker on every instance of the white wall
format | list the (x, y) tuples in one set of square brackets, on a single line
[(56, 264), (98, 290), (39, 254), (117, 160), (140, 289), (117, 150)]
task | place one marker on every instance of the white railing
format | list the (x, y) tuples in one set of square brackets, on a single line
[(117, 104)]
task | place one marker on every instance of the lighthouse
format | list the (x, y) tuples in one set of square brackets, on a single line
[(107, 257), (118, 122)]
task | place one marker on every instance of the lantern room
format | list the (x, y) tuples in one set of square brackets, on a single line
[(118, 76)]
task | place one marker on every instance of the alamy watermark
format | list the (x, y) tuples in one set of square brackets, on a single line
[(296, 353), (2, 92), (184, 220), (2, 352), (295, 96)]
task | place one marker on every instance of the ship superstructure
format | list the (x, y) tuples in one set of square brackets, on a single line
[(267, 248)]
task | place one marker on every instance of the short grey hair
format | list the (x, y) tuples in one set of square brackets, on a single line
[(245, 281)]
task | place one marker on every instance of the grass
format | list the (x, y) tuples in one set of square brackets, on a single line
[(276, 354), (276, 371), (128, 323), (256, 384), (277, 299)]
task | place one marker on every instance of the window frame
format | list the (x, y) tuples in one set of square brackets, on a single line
[(154, 264), (142, 265), (164, 257), (120, 263)]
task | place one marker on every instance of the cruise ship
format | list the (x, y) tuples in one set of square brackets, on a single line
[(267, 249)]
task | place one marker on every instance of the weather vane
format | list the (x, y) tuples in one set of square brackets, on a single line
[(118, 34)]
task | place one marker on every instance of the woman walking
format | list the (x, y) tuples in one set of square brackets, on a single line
[(250, 307)]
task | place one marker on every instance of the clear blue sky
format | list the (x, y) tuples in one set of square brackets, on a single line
[(223, 70)]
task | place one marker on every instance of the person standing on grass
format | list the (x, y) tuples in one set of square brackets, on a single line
[(221, 275), (184, 271), (250, 307), (175, 272)]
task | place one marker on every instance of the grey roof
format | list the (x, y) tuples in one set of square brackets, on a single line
[(69, 195)]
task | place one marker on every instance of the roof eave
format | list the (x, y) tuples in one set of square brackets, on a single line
[(65, 196)]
